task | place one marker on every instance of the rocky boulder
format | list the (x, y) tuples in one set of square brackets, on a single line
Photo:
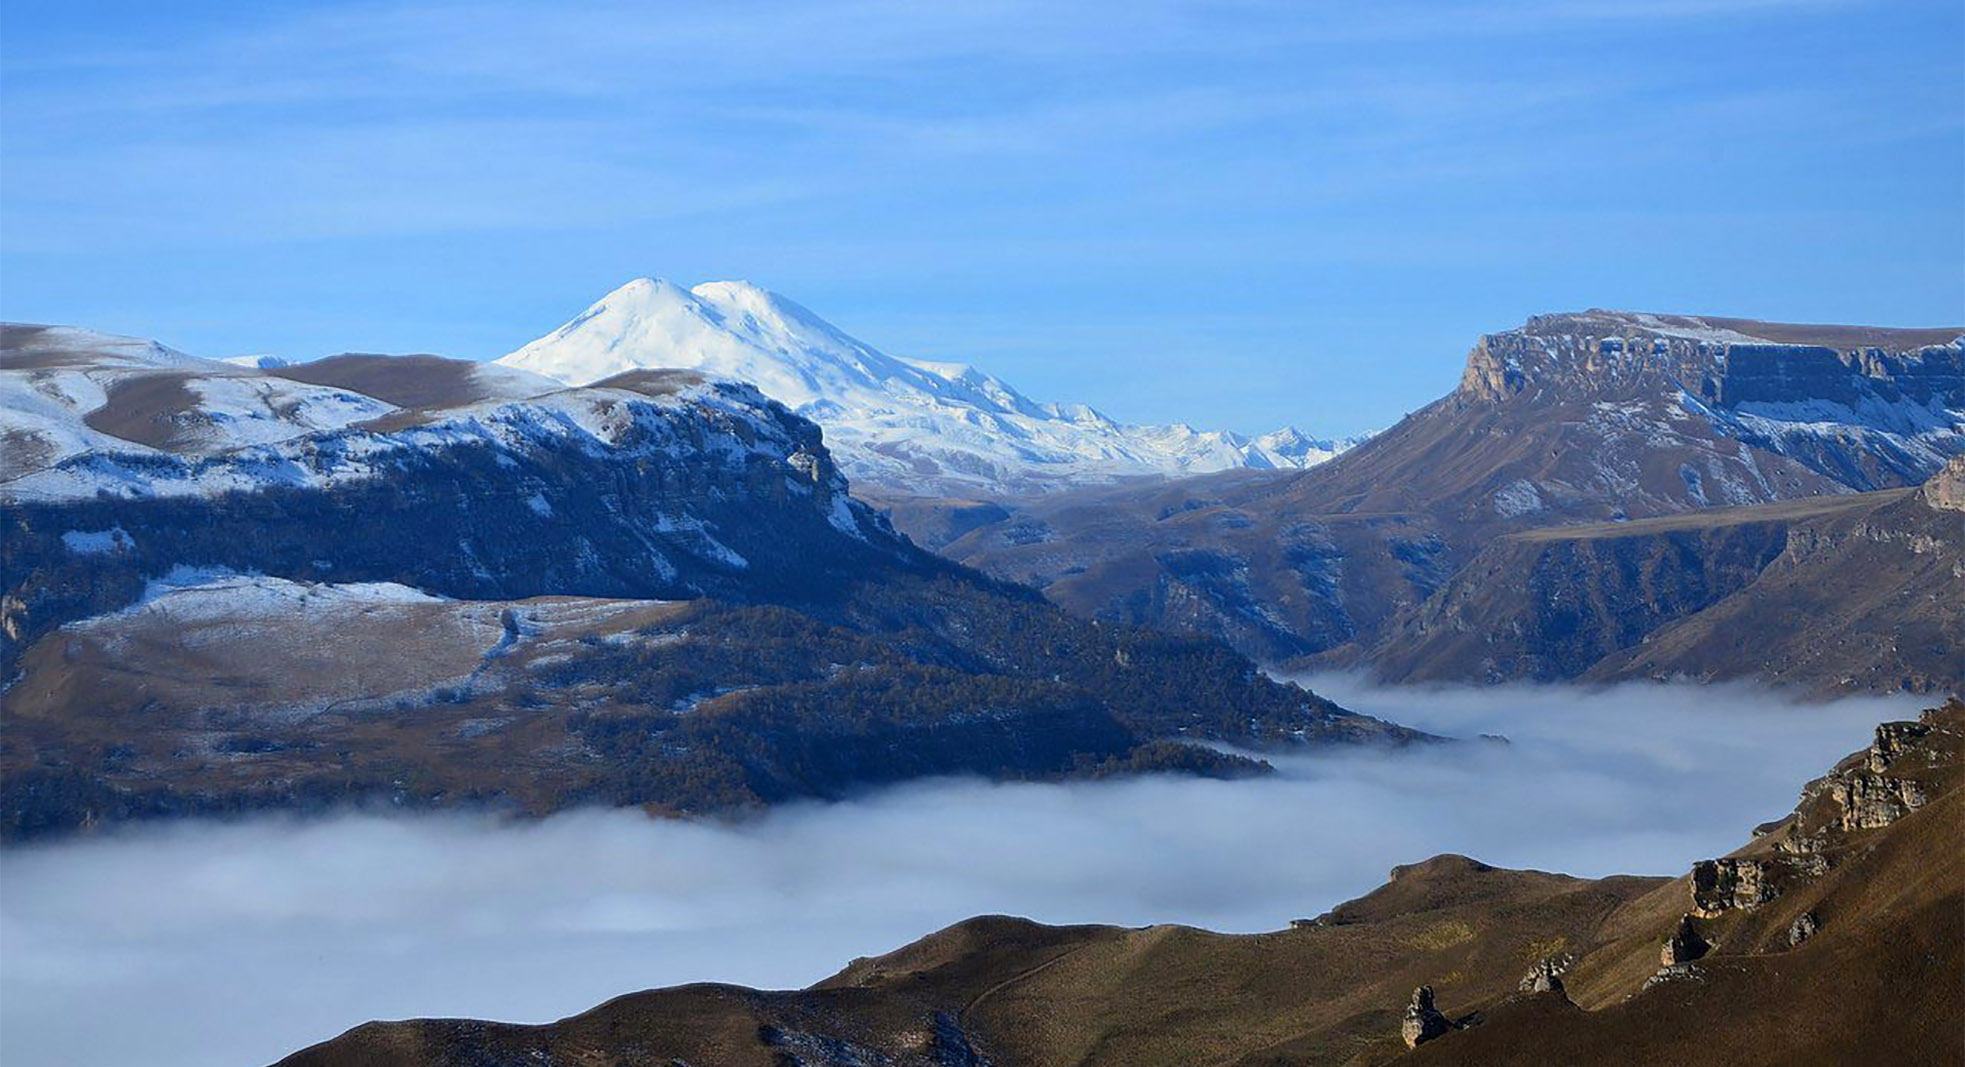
[(1546, 975), (1892, 738), (1423, 1021)]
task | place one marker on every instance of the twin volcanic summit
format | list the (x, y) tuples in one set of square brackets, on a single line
[(911, 426), (698, 551)]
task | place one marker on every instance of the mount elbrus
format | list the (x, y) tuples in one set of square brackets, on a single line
[(913, 427)]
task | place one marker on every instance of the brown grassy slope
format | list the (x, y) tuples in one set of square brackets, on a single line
[(1171, 995), (1883, 982), (1020, 992), (418, 381)]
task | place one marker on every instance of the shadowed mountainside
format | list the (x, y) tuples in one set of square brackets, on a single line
[(1585, 418), (1857, 592)]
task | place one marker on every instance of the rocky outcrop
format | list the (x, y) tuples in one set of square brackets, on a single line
[(1872, 801), (1546, 975), (1946, 489), (1423, 1021), (1719, 886), (1865, 792), (1892, 738), (1803, 928), (1677, 972), (1684, 945)]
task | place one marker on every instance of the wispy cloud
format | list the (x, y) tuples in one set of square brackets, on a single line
[(248, 177)]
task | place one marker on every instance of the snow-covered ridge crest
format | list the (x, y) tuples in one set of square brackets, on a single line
[(911, 425), (594, 420), (89, 417), (69, 395)]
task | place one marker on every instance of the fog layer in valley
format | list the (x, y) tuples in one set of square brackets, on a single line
[(234, 944)]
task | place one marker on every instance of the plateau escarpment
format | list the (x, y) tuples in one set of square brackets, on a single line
[(265, 588), (1571, 419), (1830, 938)]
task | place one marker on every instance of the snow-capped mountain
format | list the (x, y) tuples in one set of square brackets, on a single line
[(912, 425)]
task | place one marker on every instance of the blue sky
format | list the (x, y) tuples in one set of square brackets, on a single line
[(1235, 213)]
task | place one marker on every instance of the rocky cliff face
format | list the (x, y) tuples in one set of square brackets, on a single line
[(1946, 489), (1725, 361), (1868, 408)]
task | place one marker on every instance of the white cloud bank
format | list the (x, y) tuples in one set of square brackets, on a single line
[(234, 944)]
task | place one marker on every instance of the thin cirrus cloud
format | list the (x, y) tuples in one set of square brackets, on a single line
[(238, 943), (429, 117), (1398, 177)]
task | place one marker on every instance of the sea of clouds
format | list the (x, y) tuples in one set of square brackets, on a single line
[(214, 944)]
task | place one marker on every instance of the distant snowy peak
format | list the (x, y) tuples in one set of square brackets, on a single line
[(913, 425)]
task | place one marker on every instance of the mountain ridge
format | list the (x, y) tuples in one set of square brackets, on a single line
[(1579, 418), (250, 591)]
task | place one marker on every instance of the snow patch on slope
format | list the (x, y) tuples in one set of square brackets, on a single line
[(52, 379), (203, 594)]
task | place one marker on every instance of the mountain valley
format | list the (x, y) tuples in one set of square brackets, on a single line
[(1836, 593), (253, 588)]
